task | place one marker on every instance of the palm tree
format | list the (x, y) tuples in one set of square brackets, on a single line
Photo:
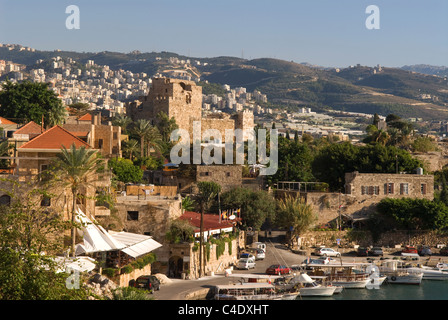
[(122, 121), (142, 129), (153, 140), (296, 213), (131, 147), (208, 190), (76, 168)]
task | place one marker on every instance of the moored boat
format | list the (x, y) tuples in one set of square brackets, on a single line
[(397, 274), (251, 291), (342, 274)]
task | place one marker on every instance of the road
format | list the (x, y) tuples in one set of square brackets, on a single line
[(275, 254)]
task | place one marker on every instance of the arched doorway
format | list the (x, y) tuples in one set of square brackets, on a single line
[(175, 267)]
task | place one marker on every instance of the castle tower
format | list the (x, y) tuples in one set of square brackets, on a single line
[(180, 99)]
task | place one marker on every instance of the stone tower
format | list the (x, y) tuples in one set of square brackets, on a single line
[(180, 99)]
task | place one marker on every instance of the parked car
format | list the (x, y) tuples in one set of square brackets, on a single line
[(362, 252), (320, 260), (246, 263), (247, 255), (277, 269), (260, 254), (149, 283), (424, 251), (327, 252), (444, 251), (376, 251), (409, 249)]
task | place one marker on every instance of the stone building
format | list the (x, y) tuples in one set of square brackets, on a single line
[(368, 185), (362, 194), (104, 137), (179, 99), (227, 176), (182, 100)]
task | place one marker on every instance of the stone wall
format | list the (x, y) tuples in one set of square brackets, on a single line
[(363, 238), (228, 176), (123, 279)]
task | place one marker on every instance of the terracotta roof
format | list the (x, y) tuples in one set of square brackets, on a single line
[(211, 221), (86, 117), (54, 138), (29, 128), (6, 121)]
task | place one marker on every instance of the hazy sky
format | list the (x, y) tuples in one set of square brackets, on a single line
[(323, 32)]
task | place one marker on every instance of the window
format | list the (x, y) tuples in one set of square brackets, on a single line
[(423, 188), (389, 188), (132, 215), (404, 188), (100, 143), (370, 190), (228, 174)]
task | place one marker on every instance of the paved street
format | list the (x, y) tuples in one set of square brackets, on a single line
[(276, 254)]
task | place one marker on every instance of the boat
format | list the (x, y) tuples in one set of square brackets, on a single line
[(322, 280), (429, 273), (310, 288), (252, 291), (397, 274), (343, 274)]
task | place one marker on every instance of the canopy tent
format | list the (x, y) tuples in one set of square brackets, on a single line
[(97, 239), (81, 264), (137, 244)]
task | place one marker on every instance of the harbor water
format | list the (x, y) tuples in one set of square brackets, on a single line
[(427, 290)]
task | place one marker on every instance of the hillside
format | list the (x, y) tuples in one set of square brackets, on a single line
[(357, 89)]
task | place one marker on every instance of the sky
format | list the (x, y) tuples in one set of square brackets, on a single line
[(330, 33)]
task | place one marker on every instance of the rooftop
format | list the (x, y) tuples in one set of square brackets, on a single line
[(54, 138)]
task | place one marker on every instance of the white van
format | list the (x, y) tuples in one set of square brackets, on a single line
[(259, 245)]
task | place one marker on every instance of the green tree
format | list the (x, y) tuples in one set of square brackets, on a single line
[(31, 102), (125, 170), (121, 120), (30, 238), (423, 144), (78, 108), (76, 168), (131, 148), (256, 206), (207, 191), (296, 215), (415, 214), (294, 163)]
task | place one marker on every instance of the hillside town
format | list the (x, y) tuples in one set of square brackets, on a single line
[(134, 214)]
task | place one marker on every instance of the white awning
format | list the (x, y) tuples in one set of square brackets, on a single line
[(137, 244), (97, 239)]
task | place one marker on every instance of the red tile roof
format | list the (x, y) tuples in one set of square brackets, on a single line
[(54, 138), (6, 121), (29, 128), (211, 221), (86, 117)]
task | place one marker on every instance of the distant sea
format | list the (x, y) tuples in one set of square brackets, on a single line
[(427, 290)]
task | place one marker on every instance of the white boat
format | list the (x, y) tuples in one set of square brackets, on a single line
[(310, 288), (342, 274), (251, 291), (397, 274), (429, 273), (322, 280)]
